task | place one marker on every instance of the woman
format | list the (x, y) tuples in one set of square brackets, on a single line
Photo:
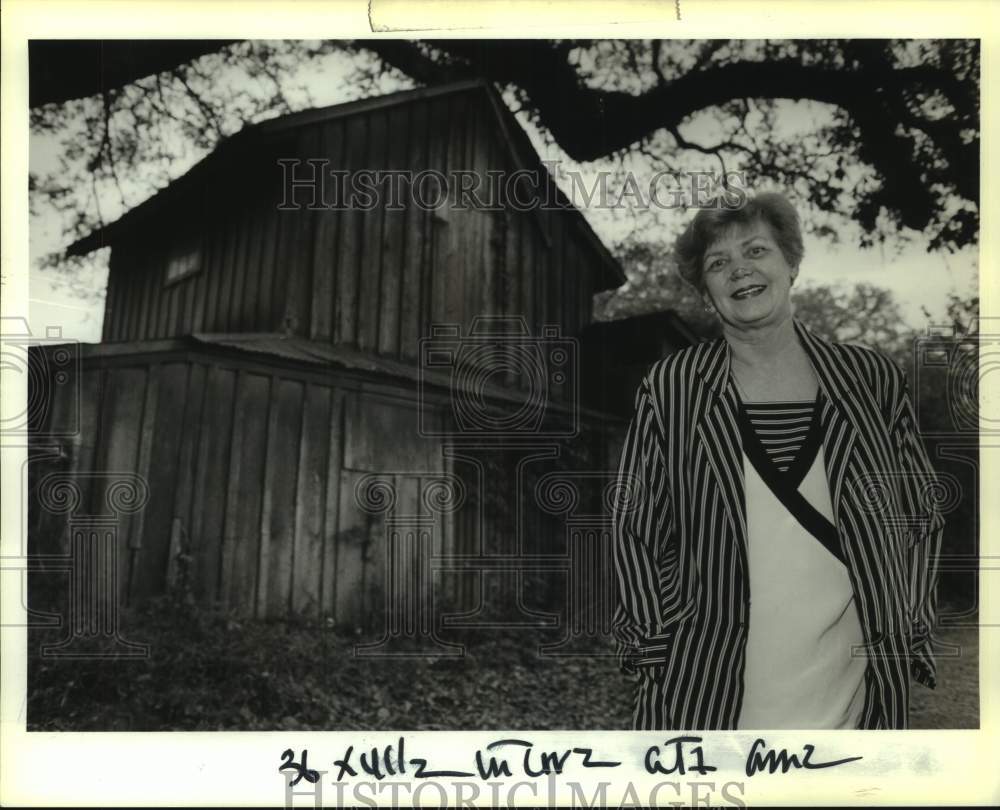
[(776, 558)]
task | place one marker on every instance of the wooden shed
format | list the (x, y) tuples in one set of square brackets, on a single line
[(271, 359)]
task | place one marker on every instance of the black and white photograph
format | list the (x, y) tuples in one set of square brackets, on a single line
[(398, 384)]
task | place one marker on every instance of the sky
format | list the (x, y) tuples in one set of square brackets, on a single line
[(918, 279)]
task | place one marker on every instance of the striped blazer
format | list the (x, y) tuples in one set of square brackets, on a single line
[(680, 534)]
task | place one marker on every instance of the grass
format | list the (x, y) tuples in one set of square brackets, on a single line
[(954, 702), (214, 672)]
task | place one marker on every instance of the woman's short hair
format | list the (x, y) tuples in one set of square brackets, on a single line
[(710, 223)]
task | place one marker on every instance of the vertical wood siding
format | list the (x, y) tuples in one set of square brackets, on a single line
[(251, 471), (375, 279)]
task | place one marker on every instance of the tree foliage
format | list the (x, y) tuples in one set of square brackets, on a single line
[(652, 285), (890, 139), (865, 314), (116, 149), (885, 132)]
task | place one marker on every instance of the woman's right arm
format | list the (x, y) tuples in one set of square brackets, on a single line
[(639, 521)]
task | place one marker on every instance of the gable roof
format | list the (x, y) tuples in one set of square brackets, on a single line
[(253, 137)]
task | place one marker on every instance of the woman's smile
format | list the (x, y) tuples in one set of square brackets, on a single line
[(749, 291)]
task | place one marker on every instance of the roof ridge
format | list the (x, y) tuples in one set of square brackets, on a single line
[(512, 135)]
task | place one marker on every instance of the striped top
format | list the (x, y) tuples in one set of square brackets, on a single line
[(782, 428)]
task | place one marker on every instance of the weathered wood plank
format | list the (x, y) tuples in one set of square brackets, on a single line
[(241, 258), (456, 257), (149, 308), (193, 419), (146, 318), (434, 277), (543, 273), (353, 527), (130, 304), (185, 312), (326, 261), (369, 303), (351, 240), (256, 269), (587, 283), (158, 464), (267, 319), (256, 259), (554, 298), (442, 268), (277, 521), (147, 428), (83, 447), (136, 329), (415, 223), (209, 278), (133, 325), (185, 325), (163, 296), (510, 288), (227, 268), (394, 247), (296, 263), (572, 277), (118, 451), (241, 537), (331, 520), (172, 296), (310, 502), (213, 480), (527, 271), (235, 267), (478, 225)]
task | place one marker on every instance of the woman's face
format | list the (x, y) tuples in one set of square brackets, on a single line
[(747, 278)]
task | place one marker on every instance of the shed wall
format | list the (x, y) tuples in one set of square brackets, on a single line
[(375, 279), (251, 470)]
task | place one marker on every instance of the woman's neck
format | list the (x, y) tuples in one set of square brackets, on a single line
[(762, 346), (769, 363)]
